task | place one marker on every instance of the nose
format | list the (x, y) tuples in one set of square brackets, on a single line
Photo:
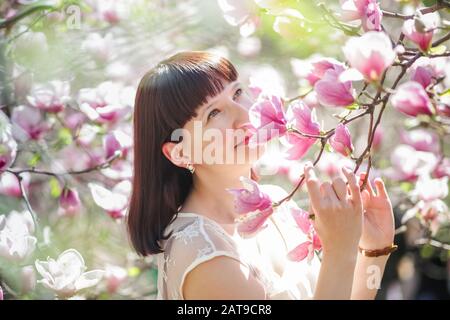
[(240, 115)]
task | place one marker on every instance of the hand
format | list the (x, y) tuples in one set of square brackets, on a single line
[(378, 222), (338, 215)]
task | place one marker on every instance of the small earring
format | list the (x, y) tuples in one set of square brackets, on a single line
[(191, 168)]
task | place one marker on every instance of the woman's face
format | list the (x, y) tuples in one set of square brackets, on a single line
[(217, 137)]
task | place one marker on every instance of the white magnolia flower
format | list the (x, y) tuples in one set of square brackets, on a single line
[(428, 189), (114, 201), (65, 275), (16, 240)]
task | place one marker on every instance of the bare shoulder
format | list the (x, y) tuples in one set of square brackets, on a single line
[(220, 278)]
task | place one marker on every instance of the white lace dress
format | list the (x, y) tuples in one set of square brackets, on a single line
[(196, 239)]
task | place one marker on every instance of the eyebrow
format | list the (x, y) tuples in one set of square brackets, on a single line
[(232, 88)]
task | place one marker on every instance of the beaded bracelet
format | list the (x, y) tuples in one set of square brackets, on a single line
[(378, 252)]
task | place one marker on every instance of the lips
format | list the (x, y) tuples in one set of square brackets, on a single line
[(245, 140), (249, 131)]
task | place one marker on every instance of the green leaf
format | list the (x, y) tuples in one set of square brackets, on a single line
[(406, 186), (445, 93), (352, 106), (55, 188), (438, 50), (427, 251), (35, 159), (429, 3), (64, 137), (134, 271)]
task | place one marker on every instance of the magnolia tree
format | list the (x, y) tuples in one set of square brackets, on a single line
[(377, 103), (406, 69)]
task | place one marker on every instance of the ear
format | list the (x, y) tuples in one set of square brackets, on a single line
[(173, 152)]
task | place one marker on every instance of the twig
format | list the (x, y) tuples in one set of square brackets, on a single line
[(434, 243), (431, 9), (103, 165), (11, 21)]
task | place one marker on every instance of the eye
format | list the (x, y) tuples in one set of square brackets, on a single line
[(237, 93), (213, 113)]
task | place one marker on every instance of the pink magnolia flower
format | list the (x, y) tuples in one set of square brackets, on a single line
[(51, 97), (442, 169), (114, 201), (422, 75), (421, 140), (27, 123), (377, 138), (313, 69), (254, 206), (331, 91), (268, 118), (98, 46), (443, 109), (69, 202), (8, 150), (108, 103), (434, 213), (242, 13), (1, 293), (303, 120), (250, 224), (421, 29), (268, 79), (111, 11), (408, 164), (114, 277), (117, 141), (304, 249), (368, 55), (272, 162), (9, 184), (250, 198), (368, 11), (341, 141), (425, 69), (428, 189), (74, 120), (332, 163), (412, 100)]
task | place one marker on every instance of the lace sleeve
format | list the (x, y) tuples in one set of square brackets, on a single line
[(196, 242)]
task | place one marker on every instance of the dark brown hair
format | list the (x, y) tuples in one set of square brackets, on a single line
[(167, 97)]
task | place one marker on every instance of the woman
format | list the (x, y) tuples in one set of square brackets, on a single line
[(181, 211)]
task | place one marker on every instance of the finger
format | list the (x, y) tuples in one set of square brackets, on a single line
[(354, 188), (369, 188), (312, 184), (328, 192), (340, 188), (381, 188), (365, 195)]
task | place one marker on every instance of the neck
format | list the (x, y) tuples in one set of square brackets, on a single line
[(209, 196)]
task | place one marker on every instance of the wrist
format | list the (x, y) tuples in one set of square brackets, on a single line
[(342, 256)]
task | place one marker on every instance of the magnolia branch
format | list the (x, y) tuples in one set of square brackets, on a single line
[(7, 23), (431, 9)]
